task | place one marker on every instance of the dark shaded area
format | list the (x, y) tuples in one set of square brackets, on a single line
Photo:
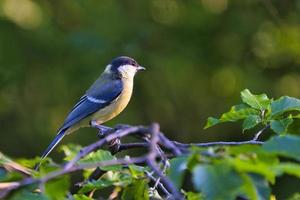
[(199, 55)]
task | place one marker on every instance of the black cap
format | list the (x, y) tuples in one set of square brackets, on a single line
[(122, 60)]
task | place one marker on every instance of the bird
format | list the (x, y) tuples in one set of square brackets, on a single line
[(105, 99)]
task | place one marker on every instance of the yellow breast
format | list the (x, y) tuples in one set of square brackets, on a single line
[(116, 107), (109, 111)]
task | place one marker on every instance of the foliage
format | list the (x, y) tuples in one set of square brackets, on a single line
[(216, 172)]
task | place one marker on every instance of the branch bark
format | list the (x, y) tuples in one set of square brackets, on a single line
[(152, 139)]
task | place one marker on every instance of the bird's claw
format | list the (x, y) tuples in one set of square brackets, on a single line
[(100, 134), (102, 130)]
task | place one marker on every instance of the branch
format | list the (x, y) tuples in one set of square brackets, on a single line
[(117, 134), (160, 185), (221, 143), (156, 135), (152, 139), (128, 146)]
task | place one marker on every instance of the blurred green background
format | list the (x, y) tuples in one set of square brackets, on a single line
[(199, 55)]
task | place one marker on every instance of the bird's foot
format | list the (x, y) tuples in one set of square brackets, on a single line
[(102, 130), (100, 134)]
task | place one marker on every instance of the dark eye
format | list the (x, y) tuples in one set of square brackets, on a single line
[(133, 63)]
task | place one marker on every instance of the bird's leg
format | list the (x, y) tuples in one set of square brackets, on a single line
[(121, 126), (114, 145), (102, 130)]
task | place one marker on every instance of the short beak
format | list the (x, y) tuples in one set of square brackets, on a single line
[(139, 68)]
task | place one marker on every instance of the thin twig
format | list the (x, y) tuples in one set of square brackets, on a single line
[(166, 181), (169, 144), (152, 139), (151, 162), (133, 146), (211, 144), (260, 132), (100, 143), (159, 184)]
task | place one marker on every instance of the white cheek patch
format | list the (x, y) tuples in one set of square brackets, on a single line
[(127, 70)]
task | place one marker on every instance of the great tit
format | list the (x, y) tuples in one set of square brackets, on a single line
[(104, 100)]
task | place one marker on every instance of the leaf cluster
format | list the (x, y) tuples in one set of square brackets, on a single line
[(257, 110), (211, 173)]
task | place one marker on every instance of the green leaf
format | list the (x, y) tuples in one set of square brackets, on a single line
[(87, 173), (7, 176), (177, 169), (296, 116), (30, 163), (242, 149), (136, 191), (3, 174), (193, 196), (260, 102), (46, 167), (251, 122), (288, 168), (262, 187), (284, 104), (70, 151), (81, 197), (120, 178), (237, 112), (254, 153), (95, 185), (136, 171), (193, 158), (211, 121), (255, 187), (116, 178), (281, 126), (250, 166), (248, 189), (26, 194), (56, 189), (287, 145), (217, 182), (99, 156)]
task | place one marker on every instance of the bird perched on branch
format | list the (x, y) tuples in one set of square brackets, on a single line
[(104, 100)]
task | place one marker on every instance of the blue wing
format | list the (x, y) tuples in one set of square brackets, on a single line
[(100, 95)]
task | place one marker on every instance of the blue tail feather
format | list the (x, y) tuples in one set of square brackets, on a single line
[(52, 145)]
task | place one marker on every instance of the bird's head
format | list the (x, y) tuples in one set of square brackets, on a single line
[(124, 66)]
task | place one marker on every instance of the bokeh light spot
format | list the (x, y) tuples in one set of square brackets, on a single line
[(289, 85), (224, 82), (24, 13), (215, 6), (165, 11), (264, 42)]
